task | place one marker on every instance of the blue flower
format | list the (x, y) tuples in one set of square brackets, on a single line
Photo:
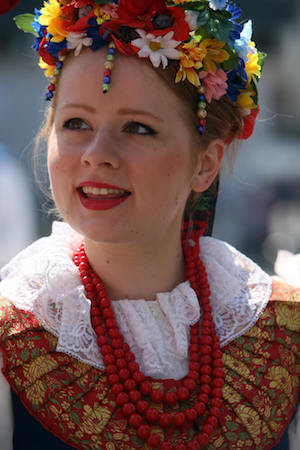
[(237, 80), (235, 33), (40, 30), (93, 33), (55, 47), (234, 10), (242, 44), (217, 4)]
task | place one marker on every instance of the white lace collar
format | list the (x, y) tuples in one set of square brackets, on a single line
[(42, 279)]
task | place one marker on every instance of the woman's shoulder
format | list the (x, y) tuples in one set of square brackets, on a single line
[(262, 368)]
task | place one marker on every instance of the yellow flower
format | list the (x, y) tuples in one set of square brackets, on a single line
[(213, 53), (51, 16), (287, 316), (110, 446), (230, 395), (237, 365), (190, 61), (218, 442), (39, 367), (252, 66), (101, 15), (280, 379), (36, 394), (95, 419), (245, 100), (251, 419)]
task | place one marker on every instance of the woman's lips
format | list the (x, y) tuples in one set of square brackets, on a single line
[(101, 196)]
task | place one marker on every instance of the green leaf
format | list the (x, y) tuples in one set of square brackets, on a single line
[(231, 436), (35, 352), (75, 418), (24, 22), (232, 426), (203, 18), (244, 435), (193, 6), (261, 58), (232, 62), (201, 34), (25, 354), (219, 27)]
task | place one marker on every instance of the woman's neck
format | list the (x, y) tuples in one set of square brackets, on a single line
[(137, 272)]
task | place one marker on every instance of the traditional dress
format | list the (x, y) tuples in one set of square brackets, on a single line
[(52, 361)]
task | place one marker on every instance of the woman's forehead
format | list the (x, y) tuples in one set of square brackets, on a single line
[(133, 82)]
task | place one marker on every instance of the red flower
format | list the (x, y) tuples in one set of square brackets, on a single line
[(71, 21), (153, 16), (136, 14), (126, 49), (44, 54), (178, 24), (132, 10), (7, 5), (81, 3), (249, 123)]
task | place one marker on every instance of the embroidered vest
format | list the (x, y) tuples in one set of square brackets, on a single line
[(72, 400)]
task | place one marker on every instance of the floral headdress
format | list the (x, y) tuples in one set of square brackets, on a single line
[(214, 51)]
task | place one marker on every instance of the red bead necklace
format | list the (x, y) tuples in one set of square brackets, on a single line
[(133, 390)]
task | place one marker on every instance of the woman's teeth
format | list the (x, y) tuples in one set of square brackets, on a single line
[(102, 191)]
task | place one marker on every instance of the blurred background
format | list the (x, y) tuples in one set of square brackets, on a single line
[(259, 205)]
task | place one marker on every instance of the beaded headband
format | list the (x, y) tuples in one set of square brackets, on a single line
[(214, 51)]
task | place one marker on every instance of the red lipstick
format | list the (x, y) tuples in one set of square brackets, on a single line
[(101, 202)]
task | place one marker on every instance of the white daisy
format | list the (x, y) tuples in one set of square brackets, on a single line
[(157, 48), (76, 41)]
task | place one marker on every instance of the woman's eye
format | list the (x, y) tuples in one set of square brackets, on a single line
[(138, 128), (76, 124)]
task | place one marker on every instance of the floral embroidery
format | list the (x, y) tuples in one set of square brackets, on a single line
[(260, 392)]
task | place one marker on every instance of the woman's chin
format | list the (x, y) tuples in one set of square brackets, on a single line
[(99, 230)]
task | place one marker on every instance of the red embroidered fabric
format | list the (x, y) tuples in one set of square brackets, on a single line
[(72, 400)]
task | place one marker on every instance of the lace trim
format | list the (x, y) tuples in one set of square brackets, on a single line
[(43, 280)]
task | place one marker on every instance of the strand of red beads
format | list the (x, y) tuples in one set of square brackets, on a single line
[(132, 388)]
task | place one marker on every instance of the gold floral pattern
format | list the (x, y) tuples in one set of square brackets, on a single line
[(261, 383)]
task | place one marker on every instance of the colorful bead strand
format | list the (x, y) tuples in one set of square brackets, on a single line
[(108, 66), (202, 113)]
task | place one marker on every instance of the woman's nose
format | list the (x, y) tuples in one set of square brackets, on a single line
[(102, 150)]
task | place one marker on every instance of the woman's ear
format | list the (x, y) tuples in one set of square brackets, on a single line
[(208, 166)]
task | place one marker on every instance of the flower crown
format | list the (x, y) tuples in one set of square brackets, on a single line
[(214, 51)]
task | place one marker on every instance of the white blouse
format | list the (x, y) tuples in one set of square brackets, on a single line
[(43, 279)]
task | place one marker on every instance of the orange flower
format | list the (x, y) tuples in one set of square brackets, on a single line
[(190, 61)]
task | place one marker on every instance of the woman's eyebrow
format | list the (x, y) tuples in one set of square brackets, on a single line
[(128, 111), (121, 111), (81, 106)]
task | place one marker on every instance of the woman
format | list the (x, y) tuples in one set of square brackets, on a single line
[(125, 328)]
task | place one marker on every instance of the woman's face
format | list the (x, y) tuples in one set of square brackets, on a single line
[(121, 164)]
